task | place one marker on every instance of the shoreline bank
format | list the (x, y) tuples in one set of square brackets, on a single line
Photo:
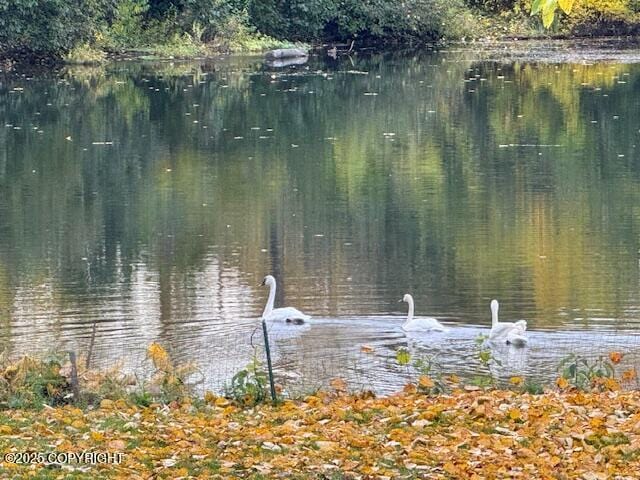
[(467, 434)]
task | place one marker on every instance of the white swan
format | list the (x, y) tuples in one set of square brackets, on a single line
[(286, 314), (510, 332), (424, 324)]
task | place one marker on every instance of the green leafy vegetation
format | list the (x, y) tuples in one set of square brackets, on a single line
[(249, 386), (584, 374), (403, 357), (31, 383), (85, 54), (368, 21), (487, 360), (430, 378), (81, 32), (48, 27), (75, 30), (547, 9)]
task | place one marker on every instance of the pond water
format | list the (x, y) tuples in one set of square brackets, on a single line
[(149, 200)]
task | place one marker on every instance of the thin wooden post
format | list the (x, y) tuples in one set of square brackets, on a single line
[(75, 387), (91, 343), (272, 384)]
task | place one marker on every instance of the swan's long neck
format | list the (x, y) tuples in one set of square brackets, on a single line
[(410, 314), (272, 297), (494, 315)]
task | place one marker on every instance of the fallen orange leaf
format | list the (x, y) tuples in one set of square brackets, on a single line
[(615, 357), (425, 382)]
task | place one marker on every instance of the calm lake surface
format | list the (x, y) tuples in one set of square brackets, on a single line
[(149, 200)]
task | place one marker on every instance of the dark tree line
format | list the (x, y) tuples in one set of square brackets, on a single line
[(53, 27)]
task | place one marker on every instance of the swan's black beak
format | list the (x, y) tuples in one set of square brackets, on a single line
[(261, 284)]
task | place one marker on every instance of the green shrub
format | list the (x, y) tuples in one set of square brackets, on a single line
[(212, 16), (31, 383), (493, 6), (584, 374), (127, 25), (179, 46), (368, 20), (85, 54), (248, 387), (49, 28), (603, 17)]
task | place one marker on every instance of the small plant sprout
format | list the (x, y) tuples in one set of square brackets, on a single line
[(583, 374)]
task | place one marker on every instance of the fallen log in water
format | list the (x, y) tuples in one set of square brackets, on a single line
[(282, 53), (286, 62)]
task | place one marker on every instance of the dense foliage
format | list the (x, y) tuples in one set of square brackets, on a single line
[(378, 20), (53, 28), (48, 27)]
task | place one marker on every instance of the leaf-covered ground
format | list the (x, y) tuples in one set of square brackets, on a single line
[(468, 434)]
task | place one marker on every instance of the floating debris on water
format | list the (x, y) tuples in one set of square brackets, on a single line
[(507, 145)]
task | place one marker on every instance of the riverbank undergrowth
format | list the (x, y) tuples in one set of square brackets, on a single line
[(438, 427)]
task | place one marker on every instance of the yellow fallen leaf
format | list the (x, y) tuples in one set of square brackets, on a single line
[(562, 383), (409, 388), (425, 382), (326, 445), (180, 472), (515, 414), (611, 384), (516, 380), (78, 424), (210, 397), (450, 468)]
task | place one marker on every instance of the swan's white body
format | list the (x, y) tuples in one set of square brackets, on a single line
[(509, 332), (423, 324), (285, 314)]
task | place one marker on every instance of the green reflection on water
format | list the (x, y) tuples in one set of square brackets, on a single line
[(353, 182)]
